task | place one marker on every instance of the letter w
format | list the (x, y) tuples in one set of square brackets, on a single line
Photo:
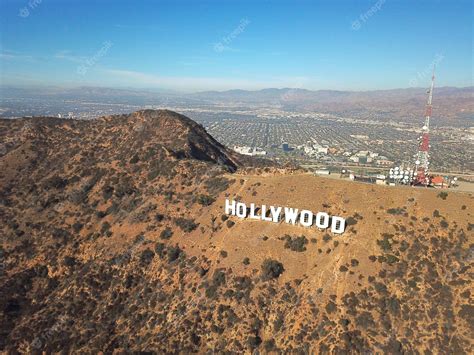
[(290, 215)]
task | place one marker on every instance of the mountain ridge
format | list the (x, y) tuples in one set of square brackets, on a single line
[(450, 103)]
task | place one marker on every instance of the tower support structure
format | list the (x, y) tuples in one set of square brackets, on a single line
[(421, 171)]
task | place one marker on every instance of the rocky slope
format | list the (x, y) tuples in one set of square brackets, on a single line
[(114, 238)]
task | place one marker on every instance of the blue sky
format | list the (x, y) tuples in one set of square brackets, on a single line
[(191, 45)]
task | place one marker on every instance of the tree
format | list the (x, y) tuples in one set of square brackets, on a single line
[(271, 269)]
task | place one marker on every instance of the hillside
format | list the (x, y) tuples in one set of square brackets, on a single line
[(114, 238)]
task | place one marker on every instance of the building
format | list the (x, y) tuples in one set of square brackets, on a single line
[(438, 181), (252, 151), (384, 162), (323, 150)]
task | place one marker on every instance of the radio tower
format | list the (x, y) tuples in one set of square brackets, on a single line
[(422, 159)]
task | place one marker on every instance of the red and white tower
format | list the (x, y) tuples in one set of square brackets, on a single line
[(421, 175)]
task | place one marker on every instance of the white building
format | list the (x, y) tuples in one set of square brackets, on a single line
[(252, 151), (314, 148)]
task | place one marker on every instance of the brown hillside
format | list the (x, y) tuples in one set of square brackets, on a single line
[(114, 238)]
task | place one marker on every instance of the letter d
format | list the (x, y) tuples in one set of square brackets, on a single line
[(338, 225)]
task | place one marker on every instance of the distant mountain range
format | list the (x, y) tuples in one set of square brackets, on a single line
[(330, 96), (449, 102)]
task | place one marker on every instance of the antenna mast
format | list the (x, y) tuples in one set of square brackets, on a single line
[(422, 161)]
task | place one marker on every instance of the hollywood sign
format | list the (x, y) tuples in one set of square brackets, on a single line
[(290, 215)]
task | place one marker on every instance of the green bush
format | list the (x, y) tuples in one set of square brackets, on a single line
[(205, 200), (271, 269), (269, 345), (135, 159), (219, 277), (296, 244), (107, 192), (69, 261), (442, 195), (444, 224), (146, 257), (396, 211), (327, 238), (211, 291), (385, 243), (105, 227), (56, 182), (254, 341), (331, 307), (166, 233), (160, 249), (173, 253), (391, 259), (187, 225), (77, 227)]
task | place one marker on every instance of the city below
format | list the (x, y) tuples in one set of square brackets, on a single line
[(367, 138)]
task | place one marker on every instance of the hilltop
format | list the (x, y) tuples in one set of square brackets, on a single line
[(114, 238)]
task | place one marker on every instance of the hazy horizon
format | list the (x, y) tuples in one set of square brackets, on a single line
[(170, 91)]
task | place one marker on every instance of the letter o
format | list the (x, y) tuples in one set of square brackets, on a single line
[(306, 218), (241, 210), (325, 220)]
